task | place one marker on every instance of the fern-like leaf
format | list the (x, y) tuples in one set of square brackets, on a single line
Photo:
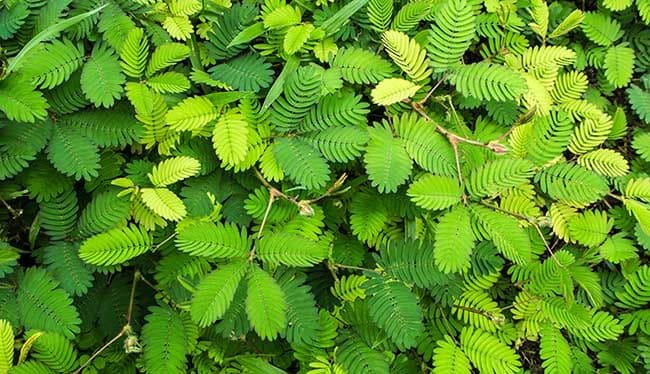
[(169, 82), (58, 215), (603, 326), (486, 81), (105, 211), (601, 29), (640, 102), (636, 291), (166, 55), (449, 358), (618, 248), (43, 305), (429, 149), (301, 162), (488, 353), (387, 163), (164, 203), (569, 86), (102, 78), (435, 192), (191, 114), (266, 304), (619, 64), (499, 175), (338, 110), (605, 162), (554, 351), (215, 292), (150, 109), (454, 241), (572, 184), (550, 137), (410, 15), (63, 262), (55, 351), (179, 27), (164, 339), (506, 234), (174, 169), (393, 90), (290, 249), (247, 73), (134, 53), (303, 325), (341, 144), (6, 346), (115, 246), (367, 218), (230, 138), (73, 154), (200, 238), (452, 34), (20, 102), (356, 357), (361, 66), (380, 12), (301, 91), (296, 37), (12, 18), (54, 64), (395, 309), (409, 261), (407, 54), (589, 228), (536, 57)]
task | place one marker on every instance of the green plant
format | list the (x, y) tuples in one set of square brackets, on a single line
[(324, 186)]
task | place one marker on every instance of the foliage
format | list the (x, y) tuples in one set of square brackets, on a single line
[(324, 186)]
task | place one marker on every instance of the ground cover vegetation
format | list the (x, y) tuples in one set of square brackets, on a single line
[(318, 186)]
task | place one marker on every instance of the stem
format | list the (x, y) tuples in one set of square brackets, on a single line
[(332, 190), (454, 145), (354, 268), (617, 197), (157, 247), (523, 118), (272, 193), (100, 350), (147, 282), (129, 312), (11, 210), (266, 213), (473, 310), (233, 358), (435, 87), (125, 328), (332, 270)]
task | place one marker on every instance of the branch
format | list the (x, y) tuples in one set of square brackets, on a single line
[(126, 329), (15, 213), (100, 350), (495, 146), (523, 118), (304, 205), (435, 87), (353, 268)]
